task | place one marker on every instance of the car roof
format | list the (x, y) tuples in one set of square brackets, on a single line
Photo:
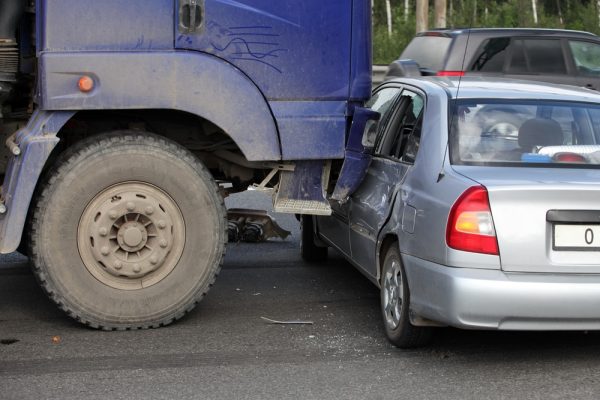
[(500, 88), (506, 32)]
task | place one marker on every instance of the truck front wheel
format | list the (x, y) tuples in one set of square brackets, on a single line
[(128, 231)]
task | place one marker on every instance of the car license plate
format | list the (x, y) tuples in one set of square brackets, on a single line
[(576, 237)]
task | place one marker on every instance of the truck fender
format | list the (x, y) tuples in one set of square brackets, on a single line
[(34, 144), (189, 81)]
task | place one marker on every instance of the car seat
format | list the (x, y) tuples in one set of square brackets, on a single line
[(539, 132)]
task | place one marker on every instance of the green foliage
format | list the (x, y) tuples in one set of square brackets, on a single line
[(576, 14), (387, 48)]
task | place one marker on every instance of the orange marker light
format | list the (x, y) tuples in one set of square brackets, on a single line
[(85, 84)]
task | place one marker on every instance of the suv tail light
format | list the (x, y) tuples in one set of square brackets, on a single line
[(450, 73), (470, 224)]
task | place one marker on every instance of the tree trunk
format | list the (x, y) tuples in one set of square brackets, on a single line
[(407, 10), (440, 13), (534, 11), (422, 15), (522, 13), (560, 16), (388, 12)]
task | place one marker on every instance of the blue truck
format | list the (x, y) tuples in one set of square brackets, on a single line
[(127, 122)]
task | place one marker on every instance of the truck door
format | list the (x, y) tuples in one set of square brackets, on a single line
[(293, 50)]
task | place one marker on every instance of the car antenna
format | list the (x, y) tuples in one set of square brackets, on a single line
[(441, 174)]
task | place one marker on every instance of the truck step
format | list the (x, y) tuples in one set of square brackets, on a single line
[(312, 207), (302, 191)]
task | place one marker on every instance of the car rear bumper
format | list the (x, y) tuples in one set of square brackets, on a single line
[(494, 299)]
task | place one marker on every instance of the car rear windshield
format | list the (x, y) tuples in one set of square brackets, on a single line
[(525, 133), (428, 51)]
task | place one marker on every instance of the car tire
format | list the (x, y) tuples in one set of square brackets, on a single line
[(309, 250), (395, 304), (128, 231)]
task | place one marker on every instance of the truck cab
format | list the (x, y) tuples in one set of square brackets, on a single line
[(125, 123)]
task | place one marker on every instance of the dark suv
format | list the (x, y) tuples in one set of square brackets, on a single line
[(548, 55)]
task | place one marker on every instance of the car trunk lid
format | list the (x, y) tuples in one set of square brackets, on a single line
[(546, 219)]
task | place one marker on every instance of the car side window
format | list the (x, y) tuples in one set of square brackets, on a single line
[(537, 56), (586, 56), (401, 140), (382, 102), (491, 55)]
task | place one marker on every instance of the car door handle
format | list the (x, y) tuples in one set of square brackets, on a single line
[(191, 15)]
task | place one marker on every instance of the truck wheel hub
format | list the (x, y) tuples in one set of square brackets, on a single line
[(132, 236), (129, 235)]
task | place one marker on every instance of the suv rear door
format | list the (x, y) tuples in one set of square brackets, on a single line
[(544, 59), (586, 62)]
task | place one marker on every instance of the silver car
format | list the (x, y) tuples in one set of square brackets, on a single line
[(480, 208)]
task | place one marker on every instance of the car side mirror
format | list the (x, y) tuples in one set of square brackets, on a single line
[(361, 142), (363, 131), (370, 134)]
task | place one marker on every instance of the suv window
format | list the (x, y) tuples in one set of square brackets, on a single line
[(491, 55), (537, 56), (586, 56), (428, 51)]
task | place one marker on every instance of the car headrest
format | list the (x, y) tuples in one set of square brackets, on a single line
[(540, 132)]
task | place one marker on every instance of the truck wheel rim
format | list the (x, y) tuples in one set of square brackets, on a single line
[(392, 295), (131, 235)]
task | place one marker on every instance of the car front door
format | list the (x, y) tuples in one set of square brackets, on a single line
[(395, 153), (334, 228)]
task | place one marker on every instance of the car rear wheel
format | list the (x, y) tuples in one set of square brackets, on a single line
[(395, 304)]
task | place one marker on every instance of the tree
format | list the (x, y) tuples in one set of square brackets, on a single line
[(422, 15), (440, 14)]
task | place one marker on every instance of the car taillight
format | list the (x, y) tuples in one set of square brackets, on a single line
[(450, 73), (470, 224)]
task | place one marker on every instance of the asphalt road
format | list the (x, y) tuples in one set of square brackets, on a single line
[(224, 350)]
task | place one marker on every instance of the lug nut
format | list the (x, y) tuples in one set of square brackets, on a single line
[(103, 231), (117, 265), (149, 210), (130, 206), (136, 268), (153, 260), (162, 224), (163, 243), (105, 250), (113, 214)]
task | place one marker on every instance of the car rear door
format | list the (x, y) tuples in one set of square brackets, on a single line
[(395, 153)]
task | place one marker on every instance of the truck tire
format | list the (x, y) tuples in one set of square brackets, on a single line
[(128, 231), (308, 248)]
